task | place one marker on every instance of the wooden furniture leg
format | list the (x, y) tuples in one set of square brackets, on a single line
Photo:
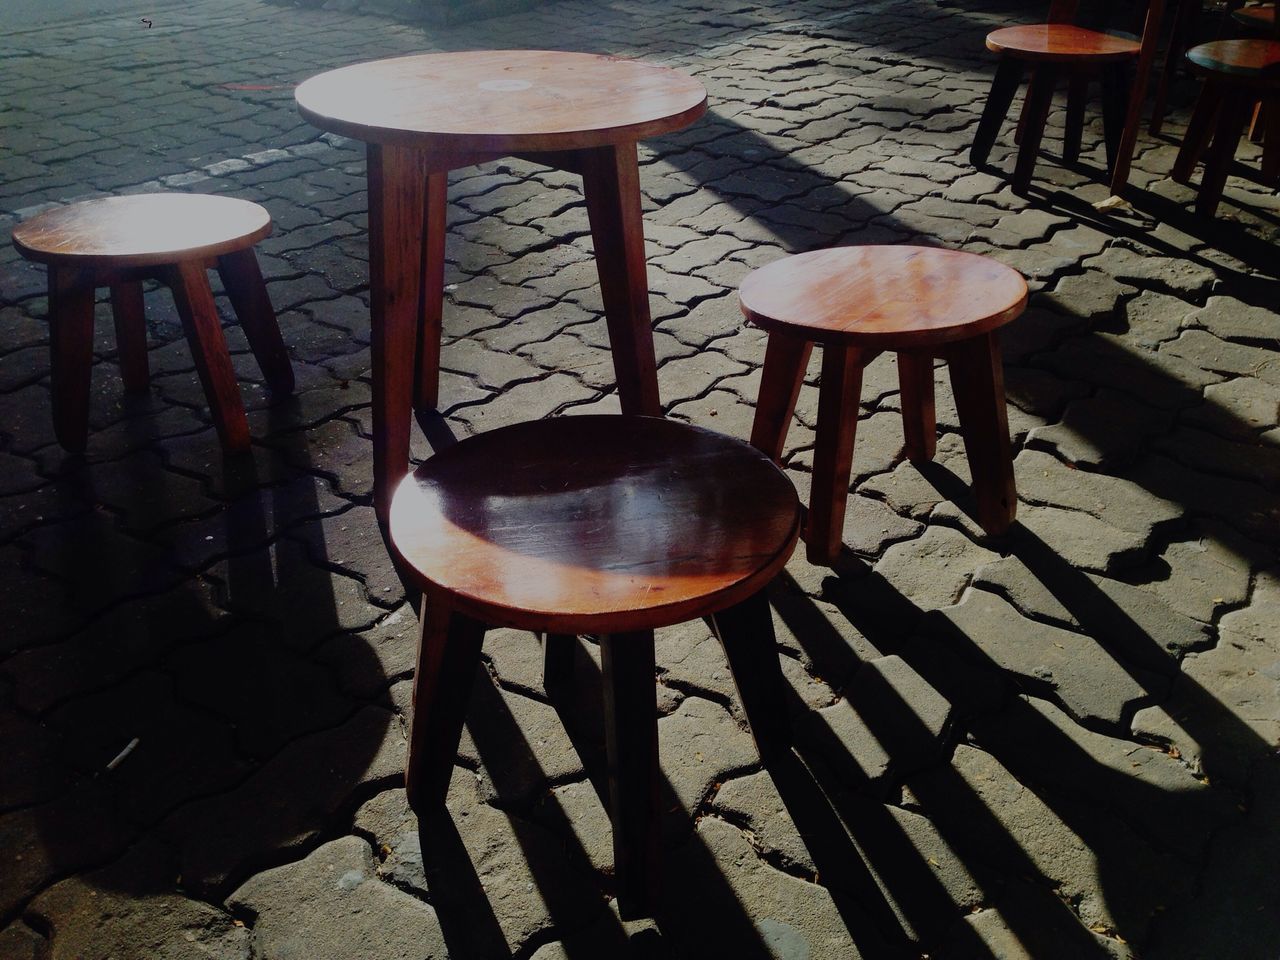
[(1217, 162), (1137, 92), (129, 314), (1077, 99), (611, 183), (431, 322), (1185, 18), (1199, 130), (1114, 84), (919, 420), (1003, 86), (833, 452), (1039, 99), (397, 204), (786, 359), (448, 654), (746, 633), (977, 379), (70, 354), (1271, 141), (189, 283), (631, 737), (557, 661), (242, 279)]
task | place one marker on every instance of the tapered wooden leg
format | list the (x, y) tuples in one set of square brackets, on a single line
[(70, 354), (611, 183), (785, 360), (833, 451), (397, 207), (977, 379), (1077, 97), (1003, 87), (1040, 97), (1271, 141), (1136, 94), (1199, 130), (448, 654), (919, 421), (1020, 130), (1115, 83), (1183, 30), (131, 334), (557, 661), (1217, 162), (431, 324), (242, 279), (746, 633), (189, 283), (631, 736)]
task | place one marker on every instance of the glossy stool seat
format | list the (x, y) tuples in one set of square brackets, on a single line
[(118, 242), (858, 302), (604, 525)]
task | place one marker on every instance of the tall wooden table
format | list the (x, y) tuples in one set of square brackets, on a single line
[(424, 115)]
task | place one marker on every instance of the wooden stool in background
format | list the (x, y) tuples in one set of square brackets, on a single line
[(604, 525), (858, 302), (1237, 75), (118, 242)]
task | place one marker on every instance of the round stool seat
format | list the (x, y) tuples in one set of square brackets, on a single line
[(142, 230), (1060, 41), (883, 297), (1244, 61), (1260, 17), (595, 524)]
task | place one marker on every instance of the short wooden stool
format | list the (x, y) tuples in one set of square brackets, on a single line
[(118, 242), (858, 302), (603, 525)]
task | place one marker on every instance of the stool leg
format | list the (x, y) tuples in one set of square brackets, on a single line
[(448, 654), (1077, 97), (1003, 86), (431, 323), (191, 293), (1199, 129), (631, 736), (1039, 99), (785, 360), (746, 633), (1217, 162), (611, 184), (131, 334), (557, 661), (919, 421), (243, 281), (833, 451), (70, 354), (977, 379), (1115, 87), (1271, 141)]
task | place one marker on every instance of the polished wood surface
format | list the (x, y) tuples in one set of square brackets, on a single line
[(1060, 41), (1257, 17), (1253, 60), (150, 229), (862, 305), (883, 297), (501, 101), (595, 523)]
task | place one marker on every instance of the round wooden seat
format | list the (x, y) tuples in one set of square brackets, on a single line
[(1252, 62), (884, 297), (1259, 17), (1060, 41), (595, 524), (142, 230)]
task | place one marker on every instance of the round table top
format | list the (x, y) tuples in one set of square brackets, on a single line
[(884, 297), (1060, 41), (506, 101), (1253, 60), (140, 230), (601, 524)]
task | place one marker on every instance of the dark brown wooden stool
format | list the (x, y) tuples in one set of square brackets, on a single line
[(858, 302), (1238, 74), (118, 242), (604, 525)]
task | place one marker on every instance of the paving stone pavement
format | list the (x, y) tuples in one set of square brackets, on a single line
[(1060, 743)]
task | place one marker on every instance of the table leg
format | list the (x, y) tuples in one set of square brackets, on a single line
[(397, 212), (611, 183), (838, 397), (431, 326)]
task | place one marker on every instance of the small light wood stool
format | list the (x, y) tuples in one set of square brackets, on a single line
[(858, 302), (604, 525), (118, 242)]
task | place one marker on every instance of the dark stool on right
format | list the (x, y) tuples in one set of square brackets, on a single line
[(858, 302)]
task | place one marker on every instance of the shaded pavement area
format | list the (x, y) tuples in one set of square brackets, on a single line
[(1058, 743)]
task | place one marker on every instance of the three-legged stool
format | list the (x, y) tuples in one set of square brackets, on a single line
[(921, 303), (118, 242), (604, 525)]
